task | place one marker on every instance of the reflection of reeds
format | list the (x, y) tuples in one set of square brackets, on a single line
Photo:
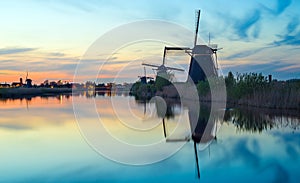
[(257, 120), (254, 122)]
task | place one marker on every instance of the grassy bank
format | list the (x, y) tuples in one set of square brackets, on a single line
[(255, 90)]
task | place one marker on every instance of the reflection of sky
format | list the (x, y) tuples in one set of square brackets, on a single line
[(268, 157), (45, 145)]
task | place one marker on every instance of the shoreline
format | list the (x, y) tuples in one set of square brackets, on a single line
[(6, 93), (277, 102), (24, 92)]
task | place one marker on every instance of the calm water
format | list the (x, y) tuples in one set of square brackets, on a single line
[(42, 142)]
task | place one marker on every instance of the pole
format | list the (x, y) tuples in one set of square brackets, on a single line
[(197, 27)]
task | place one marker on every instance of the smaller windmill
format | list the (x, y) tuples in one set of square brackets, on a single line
[(163, 71)]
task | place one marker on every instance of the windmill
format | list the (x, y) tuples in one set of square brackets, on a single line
[(163, 72), (203, 62), (28, 81), (162, 69)]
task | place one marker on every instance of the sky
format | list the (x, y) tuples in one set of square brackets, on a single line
[(49, 38)]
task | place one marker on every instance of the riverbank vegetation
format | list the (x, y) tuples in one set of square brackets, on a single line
[(248, 89), (256, 90)]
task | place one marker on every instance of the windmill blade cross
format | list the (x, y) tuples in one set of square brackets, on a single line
[(150, 65), (173, 68)]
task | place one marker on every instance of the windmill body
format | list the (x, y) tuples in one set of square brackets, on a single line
[(202, 65)]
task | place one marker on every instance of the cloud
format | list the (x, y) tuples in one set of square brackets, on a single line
[(291, 68), (77, 6), (291, 35), (57, 54), (14, 127), (287, 39), (242, 26), (39, 63), (243, 54), (6, 51), (248, 25), (40, 68), (293, 24), (279, 69), (280, 7)]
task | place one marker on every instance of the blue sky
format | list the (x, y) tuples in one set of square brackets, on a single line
[(48, 38)]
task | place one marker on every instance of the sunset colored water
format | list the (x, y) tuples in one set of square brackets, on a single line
[(42, 142)]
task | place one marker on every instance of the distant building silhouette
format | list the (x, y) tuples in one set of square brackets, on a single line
[(5, 85), (17, 84)]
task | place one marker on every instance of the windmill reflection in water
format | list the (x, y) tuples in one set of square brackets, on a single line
[(203, 125)]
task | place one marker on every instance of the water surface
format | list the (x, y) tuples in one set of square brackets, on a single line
[(41, 142)]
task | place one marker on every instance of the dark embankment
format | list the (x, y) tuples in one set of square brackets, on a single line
[(22, 92)]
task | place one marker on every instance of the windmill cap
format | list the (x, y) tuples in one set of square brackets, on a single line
[(202, 49)]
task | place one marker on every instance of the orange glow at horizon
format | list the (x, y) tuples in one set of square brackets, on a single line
[(10, 76)]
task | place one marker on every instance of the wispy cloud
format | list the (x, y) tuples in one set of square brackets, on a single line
[(73, 6), (291, 35), (242, 26), (56, 54), (14, 127), (279, 8), (6, 51), (291, 68), (243, 54), (293, 40), (279, 69), (41, 65), (282, 5), (248, 25), (293, 24)]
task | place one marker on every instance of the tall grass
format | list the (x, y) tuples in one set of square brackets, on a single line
[(252, 89)]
